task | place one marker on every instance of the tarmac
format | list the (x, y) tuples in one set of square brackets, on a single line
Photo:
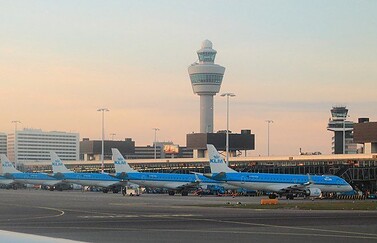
[(99, 217)]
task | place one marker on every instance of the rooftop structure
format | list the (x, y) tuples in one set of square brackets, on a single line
[(365, 133), (90, 150)]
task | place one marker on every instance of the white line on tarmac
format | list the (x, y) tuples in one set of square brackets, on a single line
[(61, 213), (288, 227), (207, 231)]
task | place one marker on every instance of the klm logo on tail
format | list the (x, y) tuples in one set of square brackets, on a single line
[(7, 164), (120, 161), (57, 163), (216, 160)]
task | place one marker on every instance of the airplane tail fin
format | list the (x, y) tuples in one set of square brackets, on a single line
[(57, 164), (216, 162), (7, 166), (121, 165)]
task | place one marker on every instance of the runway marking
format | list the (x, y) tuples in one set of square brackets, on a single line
[(288, 227), (204, 231), (85, 211), (372, 236), (138, 216), (61, 213)]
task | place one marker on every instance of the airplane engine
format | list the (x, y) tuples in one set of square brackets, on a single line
[(313, 192)]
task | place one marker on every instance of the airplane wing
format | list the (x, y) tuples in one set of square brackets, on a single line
[(122, 176), (292, 188), (218, 177)]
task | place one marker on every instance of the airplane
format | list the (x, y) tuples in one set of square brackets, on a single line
[(105, 181), (5, 181), (15, 176), (180, 183), (278, 184)]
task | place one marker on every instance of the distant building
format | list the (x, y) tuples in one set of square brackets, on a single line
[(237, 142), (3, 143), (91, 150), (30, 145), (342, 141), (365, 132)]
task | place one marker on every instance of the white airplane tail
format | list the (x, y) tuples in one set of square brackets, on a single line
[(216, 162), (7, 166), (121, 165), (57, 164)]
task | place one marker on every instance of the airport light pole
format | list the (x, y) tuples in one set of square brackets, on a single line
[(227, 95), (268, 136), (103, 136), (155, 141), (15, 142)]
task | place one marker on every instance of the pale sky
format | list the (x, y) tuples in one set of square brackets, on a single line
[(288, 61)]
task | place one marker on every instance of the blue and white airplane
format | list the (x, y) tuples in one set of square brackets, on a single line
[(105, 181), (180, 183), (278, 184), (5, 181), (18, 177)]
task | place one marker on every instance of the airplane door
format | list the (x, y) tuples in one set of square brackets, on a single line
[(143, 178), (243, 180)]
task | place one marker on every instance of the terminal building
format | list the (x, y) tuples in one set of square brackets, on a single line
[(90, 150), (31, 145), (360, 170)]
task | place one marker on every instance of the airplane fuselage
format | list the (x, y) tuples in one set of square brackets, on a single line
[(173, 180), (90, 179), (5, 181), (33, 178), (279, 182)]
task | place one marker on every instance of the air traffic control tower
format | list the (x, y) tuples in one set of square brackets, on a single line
[(206, 78), (342, 141)]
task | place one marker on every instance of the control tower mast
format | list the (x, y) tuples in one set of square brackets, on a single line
[(206, 78)]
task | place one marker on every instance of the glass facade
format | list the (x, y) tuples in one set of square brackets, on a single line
[(339, 113), (214, 78), (207, 56)]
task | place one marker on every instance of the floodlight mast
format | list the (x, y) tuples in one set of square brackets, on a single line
[(227, 95), (103, 110)]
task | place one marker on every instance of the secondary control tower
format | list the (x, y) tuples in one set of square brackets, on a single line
[(342, 141), (206, 78)]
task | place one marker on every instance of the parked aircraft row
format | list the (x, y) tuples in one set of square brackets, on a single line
[(221, 175), (278, 184)]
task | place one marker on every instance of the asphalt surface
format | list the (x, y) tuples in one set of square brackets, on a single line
[(98, 217)]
